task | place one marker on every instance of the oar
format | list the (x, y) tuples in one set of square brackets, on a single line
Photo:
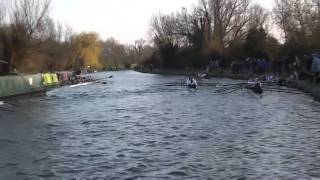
[(98, 82), (278, 89), (289, 92), (228, 90), (289, 89), (5, 109), (224, 85), (109, 77)]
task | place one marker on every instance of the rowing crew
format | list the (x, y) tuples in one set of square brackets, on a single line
[(255, 85)]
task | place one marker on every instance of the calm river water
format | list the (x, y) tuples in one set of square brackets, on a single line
[(142, 126)]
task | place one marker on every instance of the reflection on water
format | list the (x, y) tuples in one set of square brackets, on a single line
[(142, 126)]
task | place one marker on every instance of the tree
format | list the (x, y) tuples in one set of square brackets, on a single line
[(299, 20), (229, 18), (259, 17), (166, 40), (23, 36), (115, 55), (87, 48), (3, 12), (273, 47), (138, 47), (255, 45), (296, 16), (194, 28)]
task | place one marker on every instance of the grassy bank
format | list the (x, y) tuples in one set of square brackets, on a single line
[(309, 88), (305, 86)]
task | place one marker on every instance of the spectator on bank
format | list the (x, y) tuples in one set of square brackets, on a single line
[(253, 64), (308, 62), (151, 67), (235, 67), (315, 68), (287, 63), (216, 64), (211, 65)]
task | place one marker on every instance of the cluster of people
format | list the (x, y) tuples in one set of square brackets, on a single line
[(71, 78), (214, 65), (307, 67), (259, 66)]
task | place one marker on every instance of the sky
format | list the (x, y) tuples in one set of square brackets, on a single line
[(124, 20)]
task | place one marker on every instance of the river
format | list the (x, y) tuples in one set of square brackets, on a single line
[(142, 126)]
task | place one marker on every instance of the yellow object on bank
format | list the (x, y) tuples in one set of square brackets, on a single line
[(55, 79), (50, 79)]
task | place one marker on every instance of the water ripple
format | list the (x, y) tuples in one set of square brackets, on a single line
[(142, 126)]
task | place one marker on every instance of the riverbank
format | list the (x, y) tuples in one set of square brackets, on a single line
[(309, 88), (17, 85), (305, 86)]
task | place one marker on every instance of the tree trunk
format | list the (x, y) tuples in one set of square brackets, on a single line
[(7, 55)]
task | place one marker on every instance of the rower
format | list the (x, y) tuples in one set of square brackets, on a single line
[(191, 82), (255, 86), (258, 88)]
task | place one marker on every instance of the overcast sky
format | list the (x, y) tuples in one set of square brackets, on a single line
[(125, 20)]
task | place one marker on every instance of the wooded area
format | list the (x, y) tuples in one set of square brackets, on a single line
[(236, 30), (30, 41)]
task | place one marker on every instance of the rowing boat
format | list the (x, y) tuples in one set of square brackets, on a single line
[(192, 86), (81, 84), (256, 87)]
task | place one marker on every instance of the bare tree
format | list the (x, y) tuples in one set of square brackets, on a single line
[(258, 17), (27, 24), (138, 45), (67, 34), (296, 16), (282, 12), (31, 14), (194, 27), (229, 18), (3, 11), (138, 48), (163, 30)]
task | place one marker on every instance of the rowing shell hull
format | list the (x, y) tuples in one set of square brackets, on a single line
[(81, 84)]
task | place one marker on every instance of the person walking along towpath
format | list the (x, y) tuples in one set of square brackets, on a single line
[(315, 68)]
